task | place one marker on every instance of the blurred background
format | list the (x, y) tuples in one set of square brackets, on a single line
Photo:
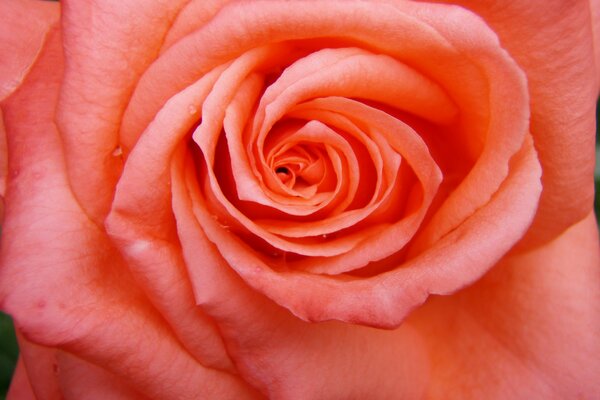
[(8, 353), (8, 343)]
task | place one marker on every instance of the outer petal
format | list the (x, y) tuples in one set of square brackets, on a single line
[(3, 165), (193, 16), (20, 387), (108, 44), (552, 41), (142, 226), (62, 280), (290, 359), (40, 370), (80, 380), (528, 330), (595, 15), (23, 29)]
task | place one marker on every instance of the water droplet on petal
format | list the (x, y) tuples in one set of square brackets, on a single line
[(117, 152), (192, 109)]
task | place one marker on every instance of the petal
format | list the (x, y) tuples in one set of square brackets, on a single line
[(41, 368), (192, 16), (466, 69), (553, 43), (240, 27), (25, 25), (107, 45), (457, 259), (287, 358), (528, 329), (142, 226), (74, 291), (20, 386), (595, 16), (3, 165), (80, 380)]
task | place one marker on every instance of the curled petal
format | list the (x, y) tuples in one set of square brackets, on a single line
[(22, 36), (90, 304), (563, 91), (99, 78), (520, 315)]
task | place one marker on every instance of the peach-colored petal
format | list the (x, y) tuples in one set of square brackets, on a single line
[(595, 16), (254, 26), (288, 358), (528, 329), (80, 380), (329, 248), (507, 124), (487, 119), (555, 49), (141, 225), (191, 17), (351, 72), (107, 45), (456, 260), (390, 235), (211, 218), (74, 290), (22, 35), (41, 368), (20, 387), (3, 165), (289, 150), (249, 178)]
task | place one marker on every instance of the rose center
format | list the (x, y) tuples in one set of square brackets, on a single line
[(299, 168)]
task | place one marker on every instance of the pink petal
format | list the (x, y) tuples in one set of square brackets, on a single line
[(192, 16), (456, 260), (288, 358), (528, 329), (107, 46), (20, 387), (142, 226), (80, 380), (554, 46), (40, 368), (25, 25), (74, 291)]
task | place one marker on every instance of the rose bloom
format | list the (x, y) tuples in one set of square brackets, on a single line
[(300, 199)]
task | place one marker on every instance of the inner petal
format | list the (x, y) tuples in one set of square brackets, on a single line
[(352, 73), (297, 151)]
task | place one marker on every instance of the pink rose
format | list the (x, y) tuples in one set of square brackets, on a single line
[(300, 199)]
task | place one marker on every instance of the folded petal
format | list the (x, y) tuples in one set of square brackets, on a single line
[(81, 380), (3, 165), (74, 291), (192, 16), (287, 358), (20, 387), (41, 370), (552, 42), (107, 45), (595, 16), (528, 329), (23, 31)]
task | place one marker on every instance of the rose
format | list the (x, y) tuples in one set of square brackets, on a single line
[(145, 254), (112, 300)]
